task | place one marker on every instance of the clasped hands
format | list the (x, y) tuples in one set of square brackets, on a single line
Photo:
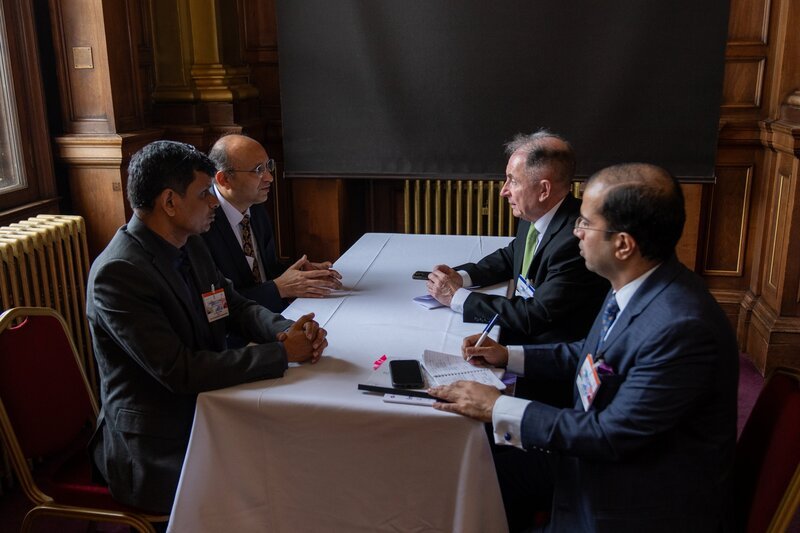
[(469, 398), (305, 279), (304, 340), (443, 283)]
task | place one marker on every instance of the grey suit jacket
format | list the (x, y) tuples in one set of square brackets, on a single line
[(156, 351), (654, 451), (567, 296)]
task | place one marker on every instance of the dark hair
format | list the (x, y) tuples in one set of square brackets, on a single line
[(646, 202), (562, 160), (163, 165)]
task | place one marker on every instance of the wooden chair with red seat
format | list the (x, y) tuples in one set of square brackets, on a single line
[(767, 466), (47, 414)]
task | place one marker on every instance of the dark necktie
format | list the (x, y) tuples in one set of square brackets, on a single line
[(247, 246), (609, 315)]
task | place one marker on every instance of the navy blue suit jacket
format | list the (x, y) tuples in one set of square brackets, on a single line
[(567, 297), (231, 260), (655, 449)]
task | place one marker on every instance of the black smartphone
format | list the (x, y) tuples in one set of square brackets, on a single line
[(420, 274), (406, 374)]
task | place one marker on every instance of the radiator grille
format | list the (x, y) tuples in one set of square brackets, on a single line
[(44, 262), (457, 207)]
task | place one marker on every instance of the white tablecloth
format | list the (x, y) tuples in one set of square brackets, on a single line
[(309, 452)]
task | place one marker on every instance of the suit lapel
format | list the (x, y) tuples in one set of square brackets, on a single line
[(651, 287), (172, 278), (222, 227), (258, 221), (519, 247), (205, 277), (560, 218)]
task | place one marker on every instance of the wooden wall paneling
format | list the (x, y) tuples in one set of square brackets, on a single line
[(139, 16), (81, 53), (687, 247), (318, 207), (746, 83), (749, 21), (260, 40), (97, 168), (728, 220), (121, 39)]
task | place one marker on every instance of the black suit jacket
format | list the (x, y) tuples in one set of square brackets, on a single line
[(567, 296), (156, 351), (654, 451), (231, 260)]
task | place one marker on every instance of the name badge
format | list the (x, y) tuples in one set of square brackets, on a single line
[(524, 288), (216, 304), (588, 382)]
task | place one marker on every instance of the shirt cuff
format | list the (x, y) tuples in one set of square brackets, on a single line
[(458, 299), (516, 360), (507, 420), (467, 281)]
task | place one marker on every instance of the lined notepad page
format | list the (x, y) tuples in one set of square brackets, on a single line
[(446, 368)]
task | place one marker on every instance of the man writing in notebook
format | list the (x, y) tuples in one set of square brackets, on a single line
[(648, 443), (556, 298)]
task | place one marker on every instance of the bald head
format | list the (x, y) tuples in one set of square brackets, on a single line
[(243, 175), (228, 146), (644, 201)]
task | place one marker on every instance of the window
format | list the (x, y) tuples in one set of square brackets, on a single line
[(11, 174), (27, 185)]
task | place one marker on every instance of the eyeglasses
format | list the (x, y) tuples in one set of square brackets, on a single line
[(260, 170), (583, 225)]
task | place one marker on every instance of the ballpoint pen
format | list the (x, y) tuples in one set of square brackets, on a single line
[(485, 333)]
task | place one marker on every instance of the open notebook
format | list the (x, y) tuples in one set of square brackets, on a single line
[(445, 368)]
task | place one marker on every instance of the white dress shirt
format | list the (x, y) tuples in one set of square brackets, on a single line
[(234, 219), (460, 296), (508, 410)]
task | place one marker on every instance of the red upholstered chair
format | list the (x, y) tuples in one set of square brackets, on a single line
[(47, 415), (767, 467)]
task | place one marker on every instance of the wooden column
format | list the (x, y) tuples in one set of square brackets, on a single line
[(773, 335), (102, 53), (202, 86)]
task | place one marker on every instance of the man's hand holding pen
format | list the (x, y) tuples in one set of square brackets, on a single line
[(489, 352)]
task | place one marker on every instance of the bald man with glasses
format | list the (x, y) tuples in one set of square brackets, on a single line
[(241, 237)]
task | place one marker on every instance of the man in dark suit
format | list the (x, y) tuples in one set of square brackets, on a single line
[(651, 448), (556, 298), (159, 311), (241, 239)]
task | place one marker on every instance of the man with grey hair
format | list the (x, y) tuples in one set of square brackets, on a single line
[(556, 298)]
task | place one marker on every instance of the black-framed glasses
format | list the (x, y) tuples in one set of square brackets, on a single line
[(583, 225), (260, 170)]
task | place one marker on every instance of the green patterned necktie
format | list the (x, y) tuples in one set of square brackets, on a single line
[(530, 246)]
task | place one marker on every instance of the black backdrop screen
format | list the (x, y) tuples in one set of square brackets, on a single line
[(402, 88)]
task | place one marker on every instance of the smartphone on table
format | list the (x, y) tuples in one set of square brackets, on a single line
[(406, 374)]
